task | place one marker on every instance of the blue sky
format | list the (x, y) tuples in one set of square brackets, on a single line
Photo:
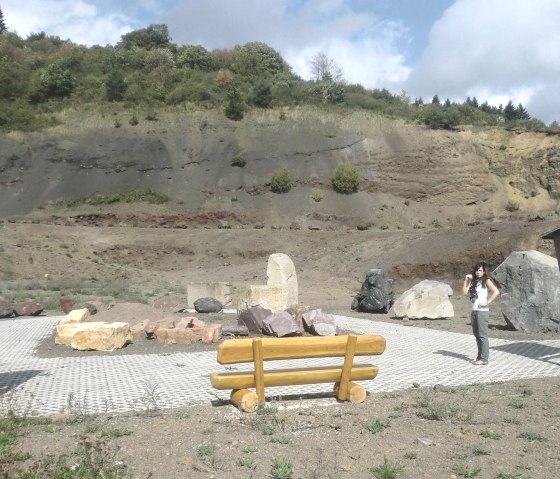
[(495, 50)]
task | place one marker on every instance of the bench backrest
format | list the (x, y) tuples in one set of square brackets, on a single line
[(233, 351)]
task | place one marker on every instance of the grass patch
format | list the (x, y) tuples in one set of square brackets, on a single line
[(489, 434), (132, 196), (532, 436), (386, 470), (463, 471), (376, 426), (281, 469)]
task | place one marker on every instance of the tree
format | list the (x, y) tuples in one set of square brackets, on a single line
[(522, 113), (257, 58), (435, 100), (235, 108), (324, 68), (195, 57), (262, 94), (115, 86), (56, 81), (3, 27), (152, 37), (510, 112)]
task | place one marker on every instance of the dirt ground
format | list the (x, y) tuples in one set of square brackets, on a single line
[(501, 430)]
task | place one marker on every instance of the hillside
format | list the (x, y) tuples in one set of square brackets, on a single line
[(430, 203)]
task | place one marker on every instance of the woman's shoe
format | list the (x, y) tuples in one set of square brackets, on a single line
[(480, 362)]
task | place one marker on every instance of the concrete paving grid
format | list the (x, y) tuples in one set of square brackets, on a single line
[(113, 383)]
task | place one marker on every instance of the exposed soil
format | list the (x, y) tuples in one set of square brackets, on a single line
[(430, 205)]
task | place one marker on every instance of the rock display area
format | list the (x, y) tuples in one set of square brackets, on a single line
[(281, 290), (530, 291), (376, 293), (427, 299)]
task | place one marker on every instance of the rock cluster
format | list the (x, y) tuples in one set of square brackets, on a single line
[(291, 322), (26, 308)]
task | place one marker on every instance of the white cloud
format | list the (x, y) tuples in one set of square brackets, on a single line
[(496, 51), (360, 43), (85, 22)]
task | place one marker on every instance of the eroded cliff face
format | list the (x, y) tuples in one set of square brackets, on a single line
[(410, 174)]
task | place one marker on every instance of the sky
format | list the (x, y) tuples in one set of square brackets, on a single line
[(494, 50)]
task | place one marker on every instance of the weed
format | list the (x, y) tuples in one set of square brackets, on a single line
[(182, 415), (267, 430), (92, 428), (281, 469), (526, 393), (376, 426), (386, 470), (52, 428), (481, 451), (435, 410), (208, 430), (116, 432), (489, 434), (532, 436), (149, 401), (516, 403), (247, 462), (410, 455), (238, 161), (205, 450), (281, 440), (509, 475), (250, 449), (317, 196), (463, 471), (512, 420)]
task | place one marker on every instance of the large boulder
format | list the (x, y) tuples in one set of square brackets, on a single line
[(98, 336), (6, 309), (530, 291), (208, 305), (376, 294), (426, 299), (253, 319), (28, 308), (280, 325)]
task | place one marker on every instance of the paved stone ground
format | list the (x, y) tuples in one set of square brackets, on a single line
[(117, 383)]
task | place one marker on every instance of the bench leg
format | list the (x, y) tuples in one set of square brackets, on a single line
[(259, 369), (347, 367), (356, 392), (245, 399)]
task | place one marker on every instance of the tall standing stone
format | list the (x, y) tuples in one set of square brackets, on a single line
[(282, 272)]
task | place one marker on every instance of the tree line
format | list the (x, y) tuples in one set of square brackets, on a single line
[(42, 74)]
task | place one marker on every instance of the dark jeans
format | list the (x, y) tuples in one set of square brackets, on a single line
[(479, 321)]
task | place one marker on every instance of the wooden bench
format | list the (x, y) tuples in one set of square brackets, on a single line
[(258, 350)]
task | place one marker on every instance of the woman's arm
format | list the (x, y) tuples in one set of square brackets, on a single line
[(494, 290), (467, 283)]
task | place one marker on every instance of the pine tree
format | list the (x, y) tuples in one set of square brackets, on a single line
[(435, 100), (3, 27), (522, 113)]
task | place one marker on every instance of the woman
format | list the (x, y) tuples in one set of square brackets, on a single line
[(477, 285)]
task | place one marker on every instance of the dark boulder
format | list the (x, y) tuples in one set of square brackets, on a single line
[(208, 305), (376, 294)]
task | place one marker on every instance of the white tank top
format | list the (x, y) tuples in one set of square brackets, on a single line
[(482, 297)]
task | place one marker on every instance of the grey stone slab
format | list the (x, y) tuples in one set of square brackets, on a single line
[(114, 383)]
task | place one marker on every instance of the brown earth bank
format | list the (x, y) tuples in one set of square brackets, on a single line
[(491, 431)]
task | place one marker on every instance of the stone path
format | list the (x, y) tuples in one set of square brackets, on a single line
[(108, 382)]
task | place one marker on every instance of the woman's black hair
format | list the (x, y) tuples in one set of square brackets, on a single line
[(472, 288)]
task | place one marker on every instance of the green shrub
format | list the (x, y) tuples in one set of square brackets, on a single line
[(317, 196), (280, 181), (238, 161), (133, 120), (346, 178), (512, 206)]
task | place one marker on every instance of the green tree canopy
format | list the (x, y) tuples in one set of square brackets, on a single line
[(195, 57), (152, 37), (257, 58), (3, 27)]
